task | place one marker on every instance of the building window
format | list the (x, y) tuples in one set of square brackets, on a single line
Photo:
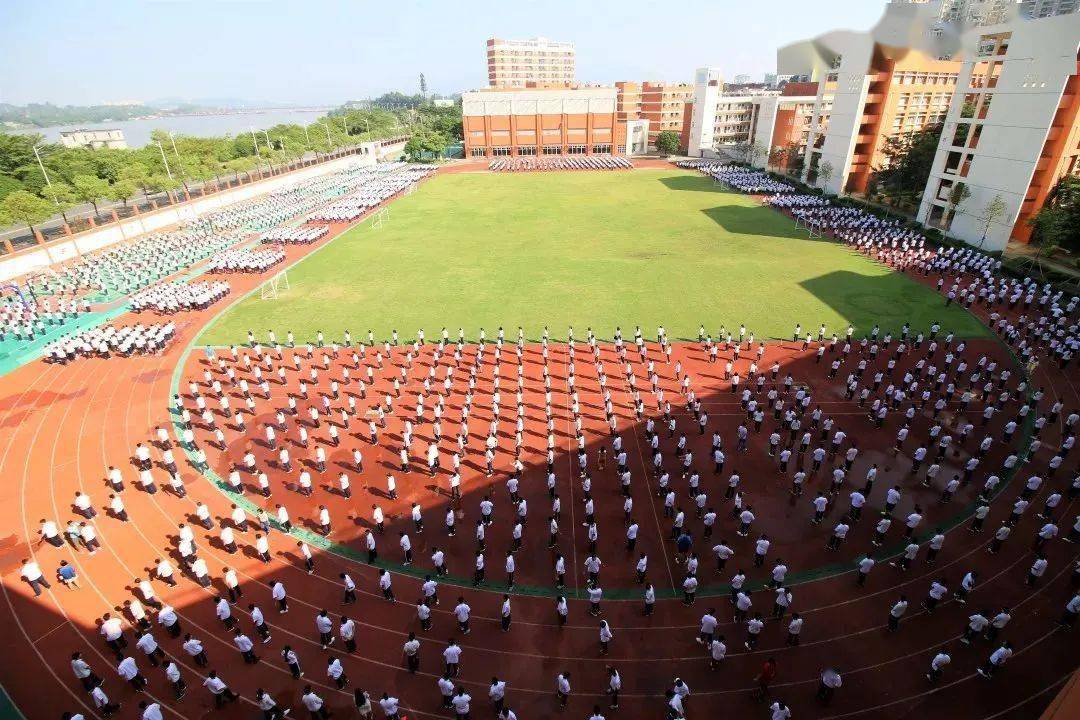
[(552, 150), (477, 152), (622, 149), (575, 150), (605, 149), (500, 151), (527, 150)]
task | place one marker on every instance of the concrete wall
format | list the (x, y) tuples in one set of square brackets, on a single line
[(58, 251)]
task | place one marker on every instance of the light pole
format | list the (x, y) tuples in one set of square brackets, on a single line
[(329, 144), (42, 166), (176, 152), (164, 160)]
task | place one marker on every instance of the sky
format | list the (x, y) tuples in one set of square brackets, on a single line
[(326, 52)]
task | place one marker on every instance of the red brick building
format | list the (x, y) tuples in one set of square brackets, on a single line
[(542, 121)]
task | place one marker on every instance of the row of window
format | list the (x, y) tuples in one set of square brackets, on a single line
[(923, 78), (575, 149)]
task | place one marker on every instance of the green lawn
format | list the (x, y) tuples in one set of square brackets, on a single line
[(585, 249)]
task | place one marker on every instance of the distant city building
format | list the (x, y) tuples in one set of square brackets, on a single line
[(662, 104), (93, 139), (770, 79), (741, 79), (530, 63), (542, 121)]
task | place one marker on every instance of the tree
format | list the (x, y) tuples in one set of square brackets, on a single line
[(778, 157), (17, 150), (9, 185), (741, 150), (825, 172), (62, 196), (25, 208), (908, 160), (120, 191), (89, 188), (958, 195), (1058, 221), (796, 160), (755, 152), (137, 174), (994, 211), (424, 143), (667, 142)]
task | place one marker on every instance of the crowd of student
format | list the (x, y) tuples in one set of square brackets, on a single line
[(741, 178), (242, 260), (168, 298), (22, 318), (108, 340), (129, 266), (560, 162), (373, 194), (939, 372), (301, 235)]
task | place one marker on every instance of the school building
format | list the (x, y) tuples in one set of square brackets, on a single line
[(542, 121), (893, 80), (1013, 127), (663, 104)]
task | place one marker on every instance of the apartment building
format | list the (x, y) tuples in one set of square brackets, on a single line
[(542, 121), (1013, 126), (662, 104), (530, 63)]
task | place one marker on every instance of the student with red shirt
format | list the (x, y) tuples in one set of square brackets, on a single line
[(764, 678)]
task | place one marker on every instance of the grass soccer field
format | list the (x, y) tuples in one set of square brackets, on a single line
[(596, 250)]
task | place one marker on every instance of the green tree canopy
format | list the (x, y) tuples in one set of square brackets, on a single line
[(667, 141), (89, 188), (62, 196), (1058, 221), (909, 158), (26, 208)]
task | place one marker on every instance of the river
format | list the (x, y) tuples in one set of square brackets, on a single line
[(137, 132)]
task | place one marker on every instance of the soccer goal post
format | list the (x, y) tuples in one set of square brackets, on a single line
[(270, 288), (381, 216)]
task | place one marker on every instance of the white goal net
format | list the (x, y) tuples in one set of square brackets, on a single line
[(270, 288)]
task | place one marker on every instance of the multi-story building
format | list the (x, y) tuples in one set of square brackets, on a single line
[(893, 80), (93, 139), (1013, 128), (628, 101), (542, 121), (530, 63), (767, 120), (1046, 8), (662, 104)]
